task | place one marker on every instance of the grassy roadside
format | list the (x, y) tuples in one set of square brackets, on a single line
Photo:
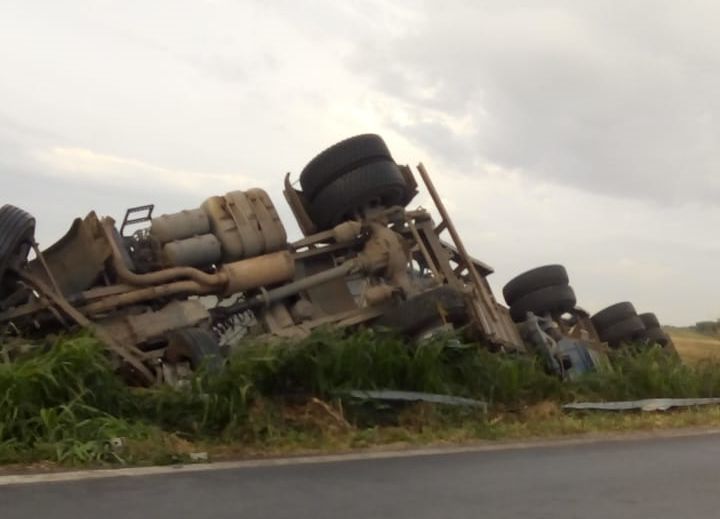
[(66, 406), (419, 429)]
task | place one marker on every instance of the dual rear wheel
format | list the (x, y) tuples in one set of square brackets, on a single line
[(546, 290), (350, 177), (620, 323), (543, 290)]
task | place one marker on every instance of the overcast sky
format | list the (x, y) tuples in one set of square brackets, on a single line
[(577, 132)]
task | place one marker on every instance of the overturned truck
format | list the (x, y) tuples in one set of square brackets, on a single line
[(165, 294)]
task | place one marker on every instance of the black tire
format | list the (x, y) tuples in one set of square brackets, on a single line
[(532, 280), (613, 314), (656, 336), (341, 158), (554, 300), (17, 231), (379, 184), (425, 310), (650, 320), (627, 330), (194, 345)]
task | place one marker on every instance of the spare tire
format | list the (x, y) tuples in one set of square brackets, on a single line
[(379, 183), (532, 280), (650, 320), (555, 300), (417, 314), (627, 330), (341, 158), (17, 232), (613, 314)]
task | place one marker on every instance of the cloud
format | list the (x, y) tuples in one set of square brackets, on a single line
[(110, 171), (576, 131), (615, 100)]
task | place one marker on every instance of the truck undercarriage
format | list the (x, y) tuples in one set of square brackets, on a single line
[(170, 294)]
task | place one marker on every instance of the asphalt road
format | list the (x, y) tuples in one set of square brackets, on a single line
[(674, 478)]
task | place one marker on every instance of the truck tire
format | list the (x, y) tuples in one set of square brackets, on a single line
[(429, 308), (532, 280), (17, 232), (194, 345), (555, 300), (627, 330), (656, 336), (341, 158), (380, 183), (650, 320), (612, 314)]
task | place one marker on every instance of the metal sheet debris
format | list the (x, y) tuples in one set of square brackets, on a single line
[(651, 404), (414, 396)]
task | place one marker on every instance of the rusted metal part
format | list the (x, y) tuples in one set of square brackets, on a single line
[(439, 256), (246, 224), (295, 200), (487, 298), (41, 257), (127, 353), (267, 297), (329, 298), (153, 325), (422, 248), (267, 270), (142, 295), (314, 239), (32, 307), (384, 251), (492, 320), (76, 260), (235, 246), (159, 277), (81, 299), (483, 268), (197, 251), (129, 219), (325, 250), (295, 287), (168, 228)]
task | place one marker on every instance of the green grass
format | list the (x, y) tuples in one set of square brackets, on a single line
[(66, 405)]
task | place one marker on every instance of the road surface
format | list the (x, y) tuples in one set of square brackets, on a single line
[(657, 478)]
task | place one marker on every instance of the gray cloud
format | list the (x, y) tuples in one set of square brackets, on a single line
[(578, 132), (619, 98)]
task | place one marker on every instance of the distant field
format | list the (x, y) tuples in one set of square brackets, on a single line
[(693, 345)]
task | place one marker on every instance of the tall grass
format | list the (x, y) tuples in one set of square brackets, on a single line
[(66, 404), (329, 362), (650, 373)]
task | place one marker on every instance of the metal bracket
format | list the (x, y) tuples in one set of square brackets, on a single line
[(132, 220)]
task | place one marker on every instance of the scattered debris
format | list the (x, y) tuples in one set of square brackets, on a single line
[(651, 404), (414, 396), (199, 456)]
